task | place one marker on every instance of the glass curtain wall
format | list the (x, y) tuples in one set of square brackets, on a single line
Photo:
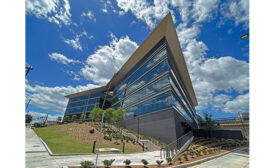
[(82, 104)]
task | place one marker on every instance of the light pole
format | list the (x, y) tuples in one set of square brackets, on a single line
[(28, 70), (244, 36), (103, 104)]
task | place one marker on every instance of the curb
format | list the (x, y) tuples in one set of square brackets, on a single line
[(47, 148), (75, 154), (204, 159)]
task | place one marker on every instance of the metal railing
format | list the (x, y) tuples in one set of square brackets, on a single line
[(147, 143), (176, 147)]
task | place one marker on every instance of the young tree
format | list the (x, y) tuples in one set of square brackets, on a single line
[(96, 113), (28, 118), (82, 116), (74, 117), (209, 123), (200, 120), (108, 115), (66, 118), (59, 119), (119, 114)]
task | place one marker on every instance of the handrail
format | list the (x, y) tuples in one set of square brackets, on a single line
[(177, 146)]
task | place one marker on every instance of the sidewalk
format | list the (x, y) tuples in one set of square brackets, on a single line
[(236, 159), (36, 157)]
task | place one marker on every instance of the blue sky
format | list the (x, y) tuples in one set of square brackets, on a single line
[(67, 40)]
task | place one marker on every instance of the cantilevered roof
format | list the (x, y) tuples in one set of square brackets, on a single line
[(165, 29), (95, 90)]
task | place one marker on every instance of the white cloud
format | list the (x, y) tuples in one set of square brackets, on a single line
[(238, 11), (203, 9), (144, 11), (61, 58), (219, 74), (108, 59), (75, 43), (56, 11), (220, 100), (239, 104), (90, 15), (74, 74), (52, 98)]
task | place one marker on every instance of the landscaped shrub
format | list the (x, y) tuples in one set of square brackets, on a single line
[(108, 163), (86, 164), (127, 162), (192, 154), (169, 160), (180, 160), (159, 162), (185, 156), (145, 162)]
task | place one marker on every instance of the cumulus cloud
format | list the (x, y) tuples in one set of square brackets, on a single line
[(55, 11), (108, 59), (150, 14), (203, 9), (62, 59), (90, 15), (220, 100), (239, 104), (238, 11), (52, 98), (219, 74)]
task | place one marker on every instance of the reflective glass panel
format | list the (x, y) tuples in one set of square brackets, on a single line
[(159, 102), (151, 89)]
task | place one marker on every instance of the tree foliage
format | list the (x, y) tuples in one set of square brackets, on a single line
[(82, 116), (66, 118), (96, 113), (119, 114), (108, 114), (58, 119), (28, 118), (209, 123), (74, 117)]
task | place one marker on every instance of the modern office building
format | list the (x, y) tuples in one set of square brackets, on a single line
[(153, 86)]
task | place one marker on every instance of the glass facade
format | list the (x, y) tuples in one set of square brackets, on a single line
[(150, 86)]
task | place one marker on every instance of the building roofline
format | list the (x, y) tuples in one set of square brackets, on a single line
[(165, 29), (95, 90)]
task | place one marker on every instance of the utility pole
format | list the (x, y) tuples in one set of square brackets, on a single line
[(28, 104), (28, 70)]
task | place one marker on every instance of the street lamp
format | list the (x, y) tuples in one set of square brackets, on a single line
[(100, 131), (244, 36), (28, 70)]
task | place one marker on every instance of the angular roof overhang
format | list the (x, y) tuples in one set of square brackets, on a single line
[(165, 29), (95, 90)]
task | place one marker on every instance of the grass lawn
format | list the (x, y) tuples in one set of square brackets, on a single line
[(60, 142)]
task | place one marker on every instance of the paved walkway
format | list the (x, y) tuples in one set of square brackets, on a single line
[(37, 157), (237, 159)]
